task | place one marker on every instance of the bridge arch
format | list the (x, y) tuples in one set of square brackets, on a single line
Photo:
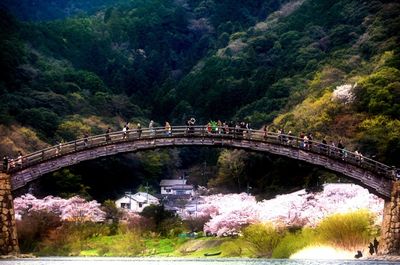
[(373, 175)]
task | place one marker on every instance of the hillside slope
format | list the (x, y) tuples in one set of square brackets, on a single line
[(330, 68)]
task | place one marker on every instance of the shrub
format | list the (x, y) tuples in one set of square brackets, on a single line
[(263, 238), (196, 224), (232, 249), (171, 227), (134, 222), (71, 238), (349, 230), (293, 242), (33, 227), (165, 221)]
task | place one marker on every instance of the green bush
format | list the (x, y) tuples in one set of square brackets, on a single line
[(293, 242), (348, 230), (263, 239), (232, 249)]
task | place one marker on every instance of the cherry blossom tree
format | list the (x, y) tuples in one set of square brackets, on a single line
[(230, 212), (74, 209), (344, 93)]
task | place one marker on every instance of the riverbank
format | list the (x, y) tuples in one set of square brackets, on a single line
[(328, 252), (17, 256), (33, 257), (384, 257), (186, 261)]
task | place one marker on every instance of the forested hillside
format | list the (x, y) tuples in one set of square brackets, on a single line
[(330, 68), (55, 9)]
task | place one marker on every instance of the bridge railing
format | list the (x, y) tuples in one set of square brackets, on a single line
[(219, 134)]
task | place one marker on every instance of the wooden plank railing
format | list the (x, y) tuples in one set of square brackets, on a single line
[(201, 131)]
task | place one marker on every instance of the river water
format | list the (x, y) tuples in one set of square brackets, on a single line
[(169, 261)]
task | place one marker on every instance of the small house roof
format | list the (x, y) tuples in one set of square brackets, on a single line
[(172, 182), (182, 187), (143, 196), (138, 197)]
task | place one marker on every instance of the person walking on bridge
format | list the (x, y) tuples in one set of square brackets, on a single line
[(342, 151), (289, 137), (5, 163), (151, 128), (168, 129), (139, 130), (266, 132), (190, 125), (86, 139), (59, 147), (108, 137), (19, 159), (125, 131)]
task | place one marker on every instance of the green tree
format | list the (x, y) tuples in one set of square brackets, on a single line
[(231, 173), (72, 129), (165, 221), (113, 214), (66, 184), (379, 93), (42, 119)]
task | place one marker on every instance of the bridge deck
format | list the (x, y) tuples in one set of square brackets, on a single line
[(369, 173)]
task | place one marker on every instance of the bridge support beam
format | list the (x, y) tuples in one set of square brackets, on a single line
[(8, 229), (390, 234)]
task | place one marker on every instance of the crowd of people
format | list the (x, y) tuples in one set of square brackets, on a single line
[(239, 129), (213, 127)]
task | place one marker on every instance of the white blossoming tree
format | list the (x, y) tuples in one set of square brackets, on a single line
[(344, 93), (74, 209), (230, 212)]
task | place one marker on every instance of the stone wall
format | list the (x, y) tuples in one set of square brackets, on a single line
[(390, 237), (8, 230)]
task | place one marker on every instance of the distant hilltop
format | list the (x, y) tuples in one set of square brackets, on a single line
[(42, 10)]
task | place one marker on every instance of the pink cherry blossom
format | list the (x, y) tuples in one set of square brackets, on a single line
[(230, 212), (73, 209)]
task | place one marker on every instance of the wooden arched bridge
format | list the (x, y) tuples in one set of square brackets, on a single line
[(369, 173), (378, 178)]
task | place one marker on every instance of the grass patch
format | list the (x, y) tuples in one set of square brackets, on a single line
[(229, 247), (128, 244), (163, 246)]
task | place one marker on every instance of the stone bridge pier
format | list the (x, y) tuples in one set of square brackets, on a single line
[(8, 229), (390, 230)]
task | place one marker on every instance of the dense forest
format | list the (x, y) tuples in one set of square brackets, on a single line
[(330, 68)]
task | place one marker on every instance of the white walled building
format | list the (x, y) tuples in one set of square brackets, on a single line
[(136, 202), (175, 187)]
